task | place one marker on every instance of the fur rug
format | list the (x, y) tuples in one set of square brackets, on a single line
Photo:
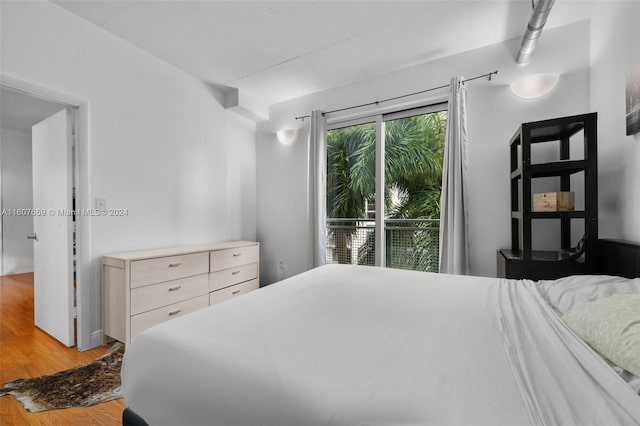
[(82, 386)]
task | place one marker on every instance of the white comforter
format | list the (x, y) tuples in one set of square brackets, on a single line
[(345, 345)]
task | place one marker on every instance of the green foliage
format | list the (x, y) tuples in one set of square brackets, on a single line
[(414, 148), (346, 195)]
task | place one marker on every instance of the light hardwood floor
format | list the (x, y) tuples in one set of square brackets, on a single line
[(26, 351)]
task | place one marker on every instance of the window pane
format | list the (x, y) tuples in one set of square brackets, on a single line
[(351, 153), (414, 149)]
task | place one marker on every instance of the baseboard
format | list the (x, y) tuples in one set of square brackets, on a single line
[(16, 271), (96, 339)]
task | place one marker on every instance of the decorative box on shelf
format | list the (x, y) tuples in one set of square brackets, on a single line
[(554, 201)]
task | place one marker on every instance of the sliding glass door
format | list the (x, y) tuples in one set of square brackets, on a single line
[(351, 190), (384, 176)]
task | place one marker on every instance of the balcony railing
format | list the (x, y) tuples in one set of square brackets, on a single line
[(410, 243)]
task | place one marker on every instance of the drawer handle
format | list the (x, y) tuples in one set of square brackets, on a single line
[(176, 288), (174, 265), (176, 312), (235, 292), (236, 254), (235, 272)]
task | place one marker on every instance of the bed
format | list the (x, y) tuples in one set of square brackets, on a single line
[(350, 345)]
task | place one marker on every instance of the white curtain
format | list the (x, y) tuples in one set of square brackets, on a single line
[(317, 213), (454, 243)]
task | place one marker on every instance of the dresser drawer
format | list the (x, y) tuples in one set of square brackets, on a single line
[(233, 291), (154, 296), (229, 277), (143, 288), (229, 258), (143, 321), (151, 271)]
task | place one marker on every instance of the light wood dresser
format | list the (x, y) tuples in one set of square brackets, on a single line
[(144, 288)]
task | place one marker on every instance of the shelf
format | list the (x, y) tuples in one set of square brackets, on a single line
[(564, 134), (543, 266), (536, 255), (558, 168), (556, 132), (574, 214), (552, 130)]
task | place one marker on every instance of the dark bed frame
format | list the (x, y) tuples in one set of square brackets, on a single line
[(130, 418), (616, 257)]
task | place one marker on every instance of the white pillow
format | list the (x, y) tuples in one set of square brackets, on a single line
[(573, 291), (612, 327)]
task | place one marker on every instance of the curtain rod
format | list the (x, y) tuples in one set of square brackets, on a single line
[(488, 75)]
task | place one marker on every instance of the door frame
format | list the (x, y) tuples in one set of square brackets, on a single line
[(85, 293), (379, 118), (1, 222)]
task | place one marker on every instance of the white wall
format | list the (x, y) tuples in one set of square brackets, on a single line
[(159, 143), (494, 114), (17, 191), (615, 48)]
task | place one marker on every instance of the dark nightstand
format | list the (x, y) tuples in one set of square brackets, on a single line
[(542, 266)]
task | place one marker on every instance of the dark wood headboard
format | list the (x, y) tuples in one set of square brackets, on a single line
[(618, 257)]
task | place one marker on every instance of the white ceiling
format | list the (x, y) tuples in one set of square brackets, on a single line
[(277, 50)]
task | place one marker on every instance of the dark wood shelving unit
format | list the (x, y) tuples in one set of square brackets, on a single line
[(521, 261)]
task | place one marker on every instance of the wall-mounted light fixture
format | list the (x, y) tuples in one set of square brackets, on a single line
[(287, 136), (534, 86)]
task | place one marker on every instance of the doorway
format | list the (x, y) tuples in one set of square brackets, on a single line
[(20, 248), (384, 176)]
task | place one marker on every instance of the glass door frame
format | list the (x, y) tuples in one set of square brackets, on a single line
[(379, 121)]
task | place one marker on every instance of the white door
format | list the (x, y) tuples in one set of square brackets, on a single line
[(52, 226)]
